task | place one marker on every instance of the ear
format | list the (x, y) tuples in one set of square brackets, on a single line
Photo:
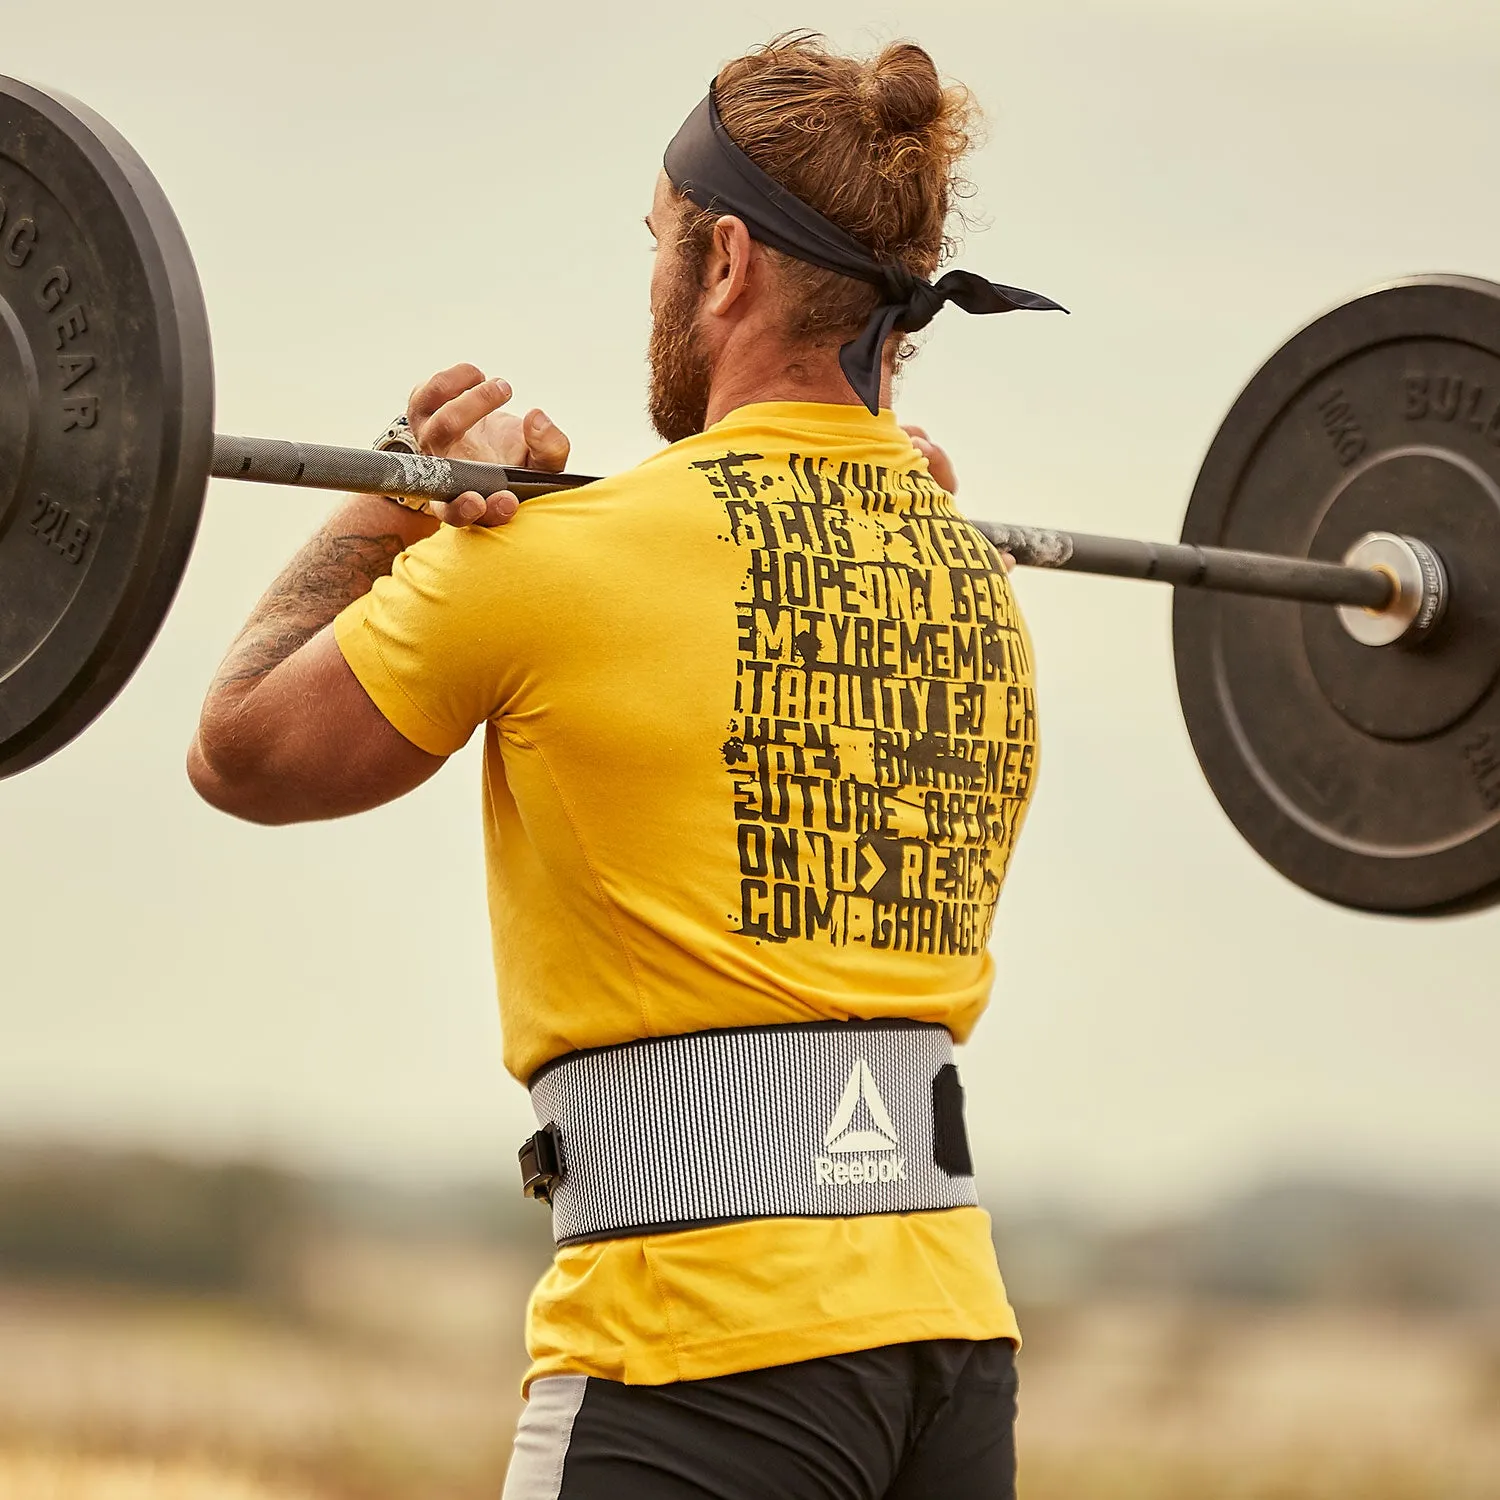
[(727, 273)]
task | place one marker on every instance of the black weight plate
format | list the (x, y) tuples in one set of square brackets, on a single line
[(1370, 775), (106, 417)]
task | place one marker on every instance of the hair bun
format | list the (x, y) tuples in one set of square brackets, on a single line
[(905, 94), (875, 145)]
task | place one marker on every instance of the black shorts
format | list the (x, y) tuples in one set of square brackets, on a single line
[(904, 1422)]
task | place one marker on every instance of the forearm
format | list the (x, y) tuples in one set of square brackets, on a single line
[(358, 544)]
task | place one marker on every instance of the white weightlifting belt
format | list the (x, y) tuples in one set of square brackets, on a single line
[(826, 1119)]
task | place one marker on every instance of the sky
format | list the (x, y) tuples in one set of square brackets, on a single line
[(373, 192)]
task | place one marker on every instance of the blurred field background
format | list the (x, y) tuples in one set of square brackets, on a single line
[(235, 1331)]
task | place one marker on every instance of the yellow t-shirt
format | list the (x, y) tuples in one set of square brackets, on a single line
[(760, 733)]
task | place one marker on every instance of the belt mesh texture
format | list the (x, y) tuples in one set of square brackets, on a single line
[(816, 1120)]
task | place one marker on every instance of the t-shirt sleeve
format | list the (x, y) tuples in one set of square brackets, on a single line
[(428, 643)]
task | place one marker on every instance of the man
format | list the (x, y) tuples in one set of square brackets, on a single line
[(759, 737)]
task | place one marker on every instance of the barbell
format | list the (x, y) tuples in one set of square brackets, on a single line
[(1354, 741)]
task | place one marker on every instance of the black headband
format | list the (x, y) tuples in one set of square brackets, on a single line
[(705, 165)]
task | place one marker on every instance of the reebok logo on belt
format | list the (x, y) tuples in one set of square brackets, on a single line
[(854, 1144)]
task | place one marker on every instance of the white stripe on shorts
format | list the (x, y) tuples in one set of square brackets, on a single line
[(542, 1437)]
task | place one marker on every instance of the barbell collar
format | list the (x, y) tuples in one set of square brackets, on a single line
[(1421, 590)]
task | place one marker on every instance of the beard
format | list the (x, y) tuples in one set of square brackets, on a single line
[(681, 370)]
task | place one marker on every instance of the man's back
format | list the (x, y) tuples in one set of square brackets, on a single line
[(760, 735)]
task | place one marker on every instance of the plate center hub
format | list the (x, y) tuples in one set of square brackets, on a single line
[(1401, 691)]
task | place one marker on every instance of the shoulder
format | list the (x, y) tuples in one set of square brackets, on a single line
[(629, 501)]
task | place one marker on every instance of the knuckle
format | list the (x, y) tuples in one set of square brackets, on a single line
[(431, 388), (436, 389)]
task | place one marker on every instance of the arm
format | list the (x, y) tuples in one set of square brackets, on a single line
[(287, 732)]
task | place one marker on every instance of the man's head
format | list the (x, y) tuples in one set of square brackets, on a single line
[(874, 145)]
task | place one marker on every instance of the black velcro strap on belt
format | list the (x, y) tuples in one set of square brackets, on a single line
[(950, 1138)]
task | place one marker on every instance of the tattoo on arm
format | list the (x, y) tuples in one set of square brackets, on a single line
[(332, 570)]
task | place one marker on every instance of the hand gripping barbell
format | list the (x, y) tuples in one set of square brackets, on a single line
[(1354, 741)]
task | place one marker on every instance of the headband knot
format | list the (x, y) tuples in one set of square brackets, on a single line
[(922, 301), (706, 166)]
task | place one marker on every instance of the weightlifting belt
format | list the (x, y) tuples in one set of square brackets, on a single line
[(820, 1120)]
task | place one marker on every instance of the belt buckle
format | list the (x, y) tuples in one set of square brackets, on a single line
[(542, 1166)]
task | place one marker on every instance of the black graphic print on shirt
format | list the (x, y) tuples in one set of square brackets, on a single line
[(883, 738)]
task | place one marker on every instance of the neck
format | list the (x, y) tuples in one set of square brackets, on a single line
[(763, 371)]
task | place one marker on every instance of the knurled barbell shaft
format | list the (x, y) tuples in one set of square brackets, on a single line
[(367, 471)]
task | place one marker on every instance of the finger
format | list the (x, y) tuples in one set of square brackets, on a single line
[(913, 431), (546, 443), (929, 450), (939, 465), (454, 418), (463, 510), (499, 509), (1009, 560), (443, 387), (472, 509)]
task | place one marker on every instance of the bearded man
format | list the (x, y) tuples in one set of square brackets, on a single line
[(759, 737)]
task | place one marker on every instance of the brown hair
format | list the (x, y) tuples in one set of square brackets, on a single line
[(873, 144)]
